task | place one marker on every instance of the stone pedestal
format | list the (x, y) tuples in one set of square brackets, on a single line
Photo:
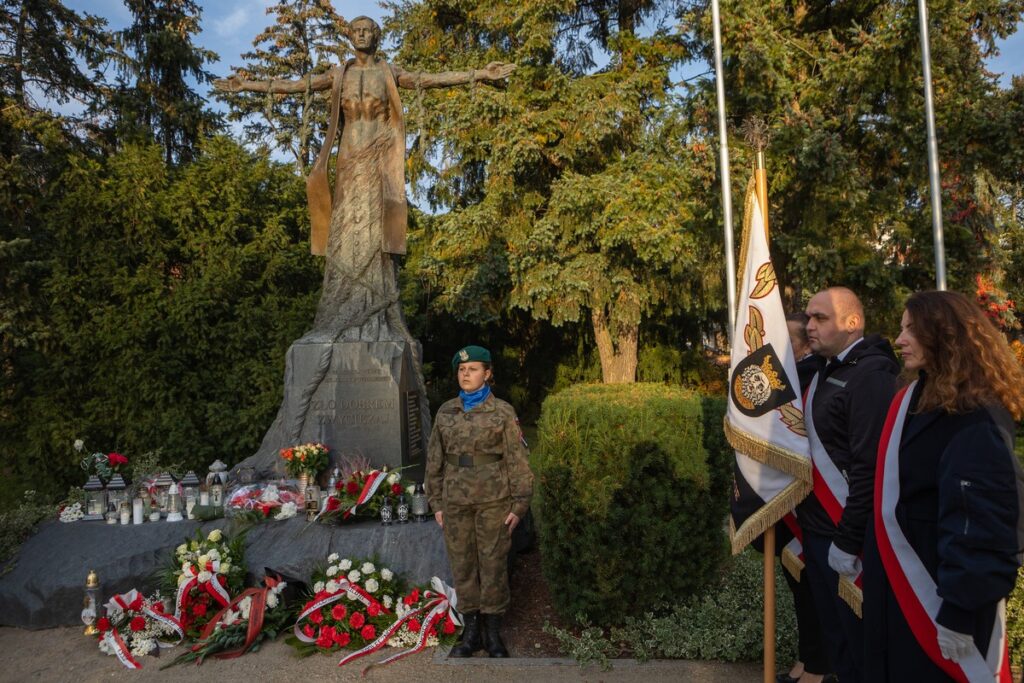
[(358, 398)]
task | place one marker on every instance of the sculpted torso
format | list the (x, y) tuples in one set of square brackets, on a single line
[(364, 105)]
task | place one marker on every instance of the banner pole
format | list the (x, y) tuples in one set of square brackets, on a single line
[(769, 604), (723, 159), (934, 179)]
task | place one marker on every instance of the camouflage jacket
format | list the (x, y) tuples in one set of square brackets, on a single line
[(490, 429)]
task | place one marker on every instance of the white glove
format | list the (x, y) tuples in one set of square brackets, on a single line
[(954, 646), (843, 563)]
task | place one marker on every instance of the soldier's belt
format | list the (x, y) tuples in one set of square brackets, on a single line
[(472, 460)]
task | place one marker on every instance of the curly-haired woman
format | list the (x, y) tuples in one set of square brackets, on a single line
[(945, 546)]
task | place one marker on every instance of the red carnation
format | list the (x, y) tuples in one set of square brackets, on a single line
[(414, 625), (368, 632), (396, 489), (333, 504), (356, 620), (317, 617), (103, 624), (449, 626), (342, 638), (373, 609), (308, 630), (158, 607), (326, 638), (352, 488), (116, 459), (199, 609), (137, 624), (339, 612)]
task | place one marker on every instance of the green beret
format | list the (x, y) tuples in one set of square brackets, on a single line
[(468, 354)]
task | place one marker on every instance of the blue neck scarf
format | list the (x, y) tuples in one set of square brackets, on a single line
[(471, 399)]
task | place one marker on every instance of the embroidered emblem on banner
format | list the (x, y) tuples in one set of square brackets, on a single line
[(758, 385)]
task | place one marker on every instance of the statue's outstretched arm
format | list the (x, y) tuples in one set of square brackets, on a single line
[(495, 71), (236, 83)]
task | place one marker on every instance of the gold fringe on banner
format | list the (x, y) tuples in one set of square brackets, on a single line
[(769, 514), (851, 595), (770, 454), (792, 564)]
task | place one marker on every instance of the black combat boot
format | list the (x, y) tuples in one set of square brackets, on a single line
[(471, 641), (492, 635)]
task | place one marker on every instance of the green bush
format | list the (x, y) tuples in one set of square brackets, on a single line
[(1015, 622), (724, 623), (633, 490)]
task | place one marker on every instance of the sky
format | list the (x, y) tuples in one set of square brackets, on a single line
[(228, 27)]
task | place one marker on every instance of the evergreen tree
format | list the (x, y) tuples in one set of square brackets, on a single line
[(302, 40), (153, 99), (568, 193)]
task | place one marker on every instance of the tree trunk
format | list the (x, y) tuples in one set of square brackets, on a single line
[(619, 353)]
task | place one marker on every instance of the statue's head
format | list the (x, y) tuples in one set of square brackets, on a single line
[(364, 33)]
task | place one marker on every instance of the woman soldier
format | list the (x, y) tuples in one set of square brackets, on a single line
[(945, 549), (479, 485)]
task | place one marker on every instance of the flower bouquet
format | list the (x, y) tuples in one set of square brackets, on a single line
[(261, 500), (103, 465), (205, 573), (352, 603), (360, 494), (136, 626), (309, 459), (257, 614)]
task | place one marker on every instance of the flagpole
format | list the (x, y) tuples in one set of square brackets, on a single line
[(934, 179), (723, 159), (761, 187)]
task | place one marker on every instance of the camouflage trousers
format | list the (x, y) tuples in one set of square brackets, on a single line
[(478, 543)]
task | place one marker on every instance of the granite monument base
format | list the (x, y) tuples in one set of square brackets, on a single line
[(359, 398), (46, 586)]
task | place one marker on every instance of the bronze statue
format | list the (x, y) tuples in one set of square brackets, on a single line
[(367, 215), (361, 226)]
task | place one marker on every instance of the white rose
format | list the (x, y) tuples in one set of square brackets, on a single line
[(368, 568), (345, 565), (388, 602), (332, 586), (244, 607), (203, 559), (215, 536), (354, 576), (386, 574), (394, 477), (181, 549), (332, 571), (79, 444), (372, 585), (214, 555), (332, 558), (318, 587), (205, 577), (225, 567), (410, 489)]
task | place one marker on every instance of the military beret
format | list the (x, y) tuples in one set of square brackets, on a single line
[(468, 354)]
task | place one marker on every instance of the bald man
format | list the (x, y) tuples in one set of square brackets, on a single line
[(847, 402)]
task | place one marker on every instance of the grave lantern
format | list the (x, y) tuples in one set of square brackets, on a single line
[(173, 503), (420, 506), (91, 603), (215, 481), (162, 486), (190, 491), (116, 492), (95, 499)]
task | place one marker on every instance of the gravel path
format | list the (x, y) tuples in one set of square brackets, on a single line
[(64, 654)]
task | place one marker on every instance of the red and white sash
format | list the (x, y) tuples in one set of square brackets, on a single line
[(831, 489), (911, 583)]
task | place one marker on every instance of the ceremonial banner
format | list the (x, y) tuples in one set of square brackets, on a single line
[(764, 422)]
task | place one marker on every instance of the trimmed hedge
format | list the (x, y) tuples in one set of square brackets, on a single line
[(633, 485)]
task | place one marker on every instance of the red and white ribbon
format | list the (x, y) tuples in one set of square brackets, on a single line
[(116, 643), (373, 482), (438, 602), (914, 588), (346, 589), (831, 489), (211, 586)]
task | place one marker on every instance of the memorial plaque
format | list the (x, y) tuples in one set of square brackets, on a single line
[(359, 398)]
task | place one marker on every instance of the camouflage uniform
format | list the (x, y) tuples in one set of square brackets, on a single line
[(478, 472)]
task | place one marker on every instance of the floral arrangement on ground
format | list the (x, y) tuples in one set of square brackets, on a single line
[(204, 575), (135, 626)]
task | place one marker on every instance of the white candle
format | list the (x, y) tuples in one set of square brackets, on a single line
[(204, 497), (190, 504), (125, 516), (154, 516), (137, 511)]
